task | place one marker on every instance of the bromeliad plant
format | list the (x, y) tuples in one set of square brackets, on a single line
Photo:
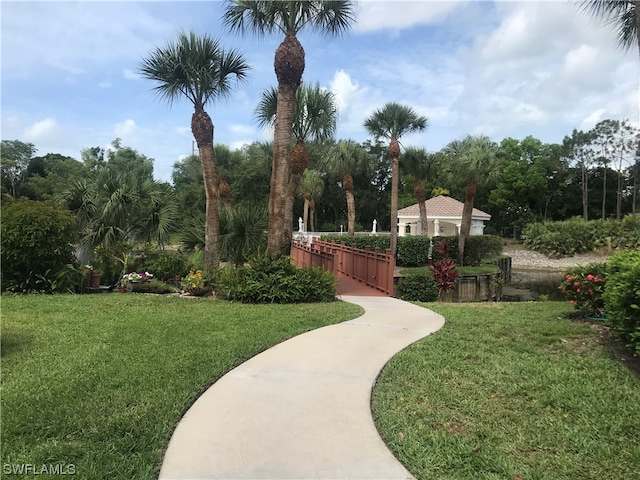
[(584, 287)]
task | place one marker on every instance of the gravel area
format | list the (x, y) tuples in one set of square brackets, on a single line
[(523, 258)]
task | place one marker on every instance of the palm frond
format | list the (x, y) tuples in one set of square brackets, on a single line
[(618, 14), (393, 121)]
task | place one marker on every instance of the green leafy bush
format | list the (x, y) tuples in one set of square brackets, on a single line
[(265, 280), (477, 248), (622, 296), (418, 288), (37, 248), (584, 287), (165, 266), (578, 236), (413, 251)]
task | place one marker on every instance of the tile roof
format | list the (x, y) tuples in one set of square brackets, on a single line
[(441, 206)]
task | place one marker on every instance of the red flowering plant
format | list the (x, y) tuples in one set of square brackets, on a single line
[(444, 271), (583, 286)]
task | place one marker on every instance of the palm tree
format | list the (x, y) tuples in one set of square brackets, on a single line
[(392, 122), (311, 188), (416, 163), (345, 160), (198, 68), (472, 159), (620, 14), (314, 118), (330, 18)]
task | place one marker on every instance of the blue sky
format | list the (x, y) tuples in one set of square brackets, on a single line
[(502, 69)]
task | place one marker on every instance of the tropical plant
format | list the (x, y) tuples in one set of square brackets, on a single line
[(289, 18), (392, 122), (346, 159), (113, 206), (620, 14), (243, 232), (311, 188), (473, 159), (314, 118), (198, 68)]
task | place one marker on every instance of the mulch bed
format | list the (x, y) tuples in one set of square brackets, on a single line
[(612, 341)]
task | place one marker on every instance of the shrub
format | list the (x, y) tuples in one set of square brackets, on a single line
[(413, 251), (265, 280), (444, 273), (477, 248), (578, 236), (418, 288), (165, 266), (584, 287), (37, 248), (622, 296)]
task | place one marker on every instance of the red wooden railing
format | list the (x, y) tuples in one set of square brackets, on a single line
[(371, 267)]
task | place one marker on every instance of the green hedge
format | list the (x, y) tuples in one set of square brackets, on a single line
[(418, 288), (579, 236), (413, 251), (622, 296), (37, 248), (476, 249)]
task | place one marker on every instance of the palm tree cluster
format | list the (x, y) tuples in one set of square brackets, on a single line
[(196, 67)]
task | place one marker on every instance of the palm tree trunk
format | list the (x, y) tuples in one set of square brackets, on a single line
[(312, 214), (289, 66), (298, 161), (351, 213), (465, 226), (421, 197), (305, 215), (202, 129), (395, 180)]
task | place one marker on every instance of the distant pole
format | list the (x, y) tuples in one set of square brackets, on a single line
[(193, 147)]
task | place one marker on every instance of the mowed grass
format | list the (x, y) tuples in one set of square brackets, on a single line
[(100, 381), (507, 391)]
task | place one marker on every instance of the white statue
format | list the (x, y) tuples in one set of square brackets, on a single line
[(375, 226), (300, 225)]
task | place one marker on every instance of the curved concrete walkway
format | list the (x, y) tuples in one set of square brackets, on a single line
[(301, 410)]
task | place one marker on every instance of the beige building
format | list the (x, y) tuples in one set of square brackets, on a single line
[(444, 216)]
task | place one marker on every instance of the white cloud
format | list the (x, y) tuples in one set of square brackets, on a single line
[(41, 131), (105, 84), (398, 15), (11, 122), (125, 130)]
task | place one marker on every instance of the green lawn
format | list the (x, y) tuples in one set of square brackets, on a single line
[(100, 381), (509, 391)]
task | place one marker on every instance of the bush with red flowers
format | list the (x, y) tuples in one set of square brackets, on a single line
[(584, 287)]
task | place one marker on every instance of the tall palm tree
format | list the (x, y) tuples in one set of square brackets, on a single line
[(621, 14), (416, 163), (346, 159), (330, 18), (311, 188), (472, 159), (314, 118), (198, 68), (392, 122)]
